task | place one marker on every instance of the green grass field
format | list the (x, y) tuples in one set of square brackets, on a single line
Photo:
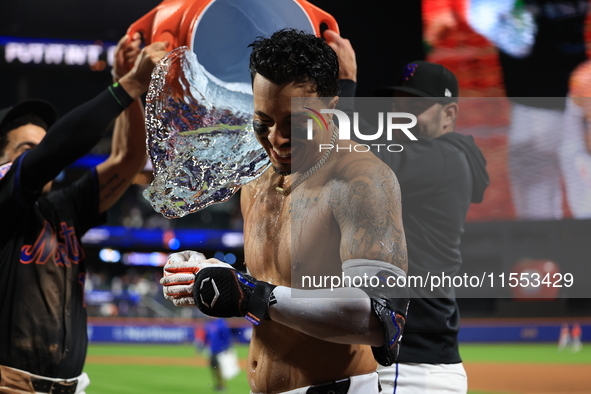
[(523, 353), (128, 378), (125, 378)]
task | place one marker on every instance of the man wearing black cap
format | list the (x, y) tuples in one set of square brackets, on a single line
[(424, 79), (439, 175), (43, 337)]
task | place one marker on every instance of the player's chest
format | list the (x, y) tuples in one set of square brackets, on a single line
[(282, 234)]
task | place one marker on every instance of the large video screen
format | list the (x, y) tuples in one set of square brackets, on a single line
[(537, 142)]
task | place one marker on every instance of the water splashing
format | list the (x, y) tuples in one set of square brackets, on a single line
[(200, 137)]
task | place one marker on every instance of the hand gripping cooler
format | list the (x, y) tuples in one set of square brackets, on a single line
[(219, 31), (199, 105)]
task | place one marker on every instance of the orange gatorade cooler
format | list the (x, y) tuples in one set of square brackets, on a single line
[(219, 31), (199, 106)]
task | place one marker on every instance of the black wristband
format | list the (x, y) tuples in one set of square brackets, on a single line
[(258, 302), (225, 292), (120, 95), (347, 87)]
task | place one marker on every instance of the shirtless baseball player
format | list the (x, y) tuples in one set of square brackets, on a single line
[(345, 205)]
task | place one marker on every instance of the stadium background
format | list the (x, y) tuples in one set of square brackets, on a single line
[(124, 300)]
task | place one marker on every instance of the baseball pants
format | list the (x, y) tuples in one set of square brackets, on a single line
[(407, 378), (360, 384), (546, 153), (535, 137)]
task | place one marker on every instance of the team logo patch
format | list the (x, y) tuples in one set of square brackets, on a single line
[(4, 169), (409, 71)]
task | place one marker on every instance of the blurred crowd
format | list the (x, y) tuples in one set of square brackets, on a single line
[(134, 293)]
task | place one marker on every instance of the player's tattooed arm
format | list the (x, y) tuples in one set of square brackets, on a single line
[(366, 203), (128, 156), (110, 187)]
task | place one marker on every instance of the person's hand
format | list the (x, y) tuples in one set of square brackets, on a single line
[(183, 262), (126, 53), (179, 275), (216, 288), (346, 54), (137, 80)]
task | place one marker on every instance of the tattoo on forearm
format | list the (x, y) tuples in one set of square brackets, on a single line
[(110, 187)]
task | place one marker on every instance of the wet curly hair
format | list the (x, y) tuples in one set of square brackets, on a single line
[(291, 55)]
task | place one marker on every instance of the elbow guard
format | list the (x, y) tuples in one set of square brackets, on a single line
[(389, 302)]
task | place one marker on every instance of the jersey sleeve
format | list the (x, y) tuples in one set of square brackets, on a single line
[(80, 201), (12, 200), (67, 140)]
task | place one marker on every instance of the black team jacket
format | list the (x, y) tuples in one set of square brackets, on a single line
[(439, 179)]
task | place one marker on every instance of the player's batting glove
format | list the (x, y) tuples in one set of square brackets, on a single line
[(214, 287), (222, 291), (179, 277)]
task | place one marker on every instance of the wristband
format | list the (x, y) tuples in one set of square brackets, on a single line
[(120, 95), (225, 292)]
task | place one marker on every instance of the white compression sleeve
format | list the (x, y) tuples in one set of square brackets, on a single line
[(341, 315)]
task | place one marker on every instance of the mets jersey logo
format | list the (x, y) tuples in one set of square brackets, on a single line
[(4, 169), (65, 251), (409, 71)]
